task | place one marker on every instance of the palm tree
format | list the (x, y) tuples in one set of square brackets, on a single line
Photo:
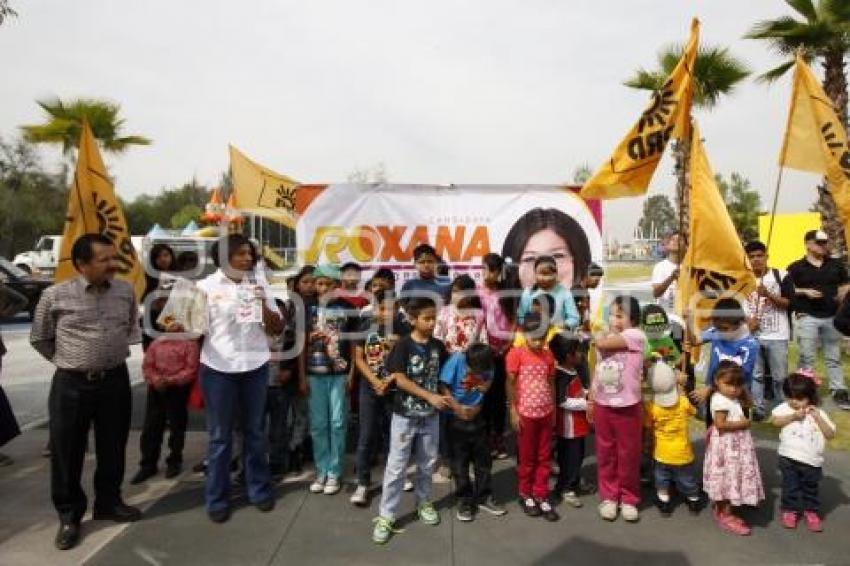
[(65, 122), (716, 74), (822, 31)]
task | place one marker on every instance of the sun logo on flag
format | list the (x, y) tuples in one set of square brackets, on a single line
[(285, 197), (110, 224), (659, 108), (108, 220)]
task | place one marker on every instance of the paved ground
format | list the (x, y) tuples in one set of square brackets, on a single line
[(327, 530), (26, 375)]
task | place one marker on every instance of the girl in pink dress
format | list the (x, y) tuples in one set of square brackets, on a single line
[(461, 323), (731, 475)]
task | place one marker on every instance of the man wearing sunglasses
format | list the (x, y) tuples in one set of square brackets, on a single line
[(820, 283)]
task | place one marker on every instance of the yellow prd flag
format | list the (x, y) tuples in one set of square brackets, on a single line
[(815, 139), (630, 169), (93, 208), (715, 264), (261, 191)]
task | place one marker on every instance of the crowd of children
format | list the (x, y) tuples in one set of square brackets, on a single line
[(437, 371)]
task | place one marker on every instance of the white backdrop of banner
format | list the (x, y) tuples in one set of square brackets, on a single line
[(379, 225)]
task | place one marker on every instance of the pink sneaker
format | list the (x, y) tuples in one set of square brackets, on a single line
[(789, 519), (813, 522), (733, 525)]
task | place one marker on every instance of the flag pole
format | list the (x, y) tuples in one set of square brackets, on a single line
[(684, 295)]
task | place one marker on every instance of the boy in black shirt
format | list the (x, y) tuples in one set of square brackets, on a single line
[(414, 365), (379, 334)]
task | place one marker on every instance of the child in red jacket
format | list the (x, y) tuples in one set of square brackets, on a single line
[(170, 367)]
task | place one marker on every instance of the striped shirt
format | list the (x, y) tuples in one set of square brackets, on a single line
[(82, 327)]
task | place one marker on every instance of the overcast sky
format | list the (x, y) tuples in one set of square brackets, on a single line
[(443, 91)]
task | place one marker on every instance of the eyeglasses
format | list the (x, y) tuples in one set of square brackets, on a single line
[(561, 258)]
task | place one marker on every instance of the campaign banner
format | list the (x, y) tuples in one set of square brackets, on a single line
[(379, 225)]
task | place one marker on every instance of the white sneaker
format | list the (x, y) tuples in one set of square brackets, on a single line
[(359, 497), (332, 486), (571, 499), (608, 510), (318, 485), (630, 513), (408, 485)]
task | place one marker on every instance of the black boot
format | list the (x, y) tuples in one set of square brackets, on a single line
[(142, 475)]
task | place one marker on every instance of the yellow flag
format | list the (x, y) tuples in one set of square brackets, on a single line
[(815, 139), (93, 208), (715, 264), (629, 170), (261, 191)]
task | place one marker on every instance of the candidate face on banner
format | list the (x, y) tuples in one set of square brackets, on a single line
[(380, 225)]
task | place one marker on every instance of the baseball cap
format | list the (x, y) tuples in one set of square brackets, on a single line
[(326, 270), (816, 235), (662, 379)]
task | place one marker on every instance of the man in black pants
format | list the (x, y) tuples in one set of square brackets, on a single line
[(85, 326)]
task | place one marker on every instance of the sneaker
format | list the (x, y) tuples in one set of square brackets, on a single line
[(548, 511), (664, 507), (529, 507), (813, 522), (733, 525), (318, 485), (501, 449), (464, 513), (630, 513), (492, 506), (608, 510), (359, 496), (789, 519), (428, 515), (842, 399), (442, 475), (332, 486), (571, 499), (408, 485), (383, 530)]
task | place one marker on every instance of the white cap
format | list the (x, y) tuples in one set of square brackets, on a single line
[(662, 379)]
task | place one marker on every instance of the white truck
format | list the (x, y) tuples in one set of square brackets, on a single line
[(43, 259)]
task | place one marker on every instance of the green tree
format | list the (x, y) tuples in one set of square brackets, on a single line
[(185, 215), (377, 173), (658, 217), (64, 123), (6, 11), (163, 208), (822, 30), (582, 173), (33, 200), (716, 74), (743, 203), (140, 213)]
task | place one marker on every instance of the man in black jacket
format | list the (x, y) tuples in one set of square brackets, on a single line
[(820, 283)]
